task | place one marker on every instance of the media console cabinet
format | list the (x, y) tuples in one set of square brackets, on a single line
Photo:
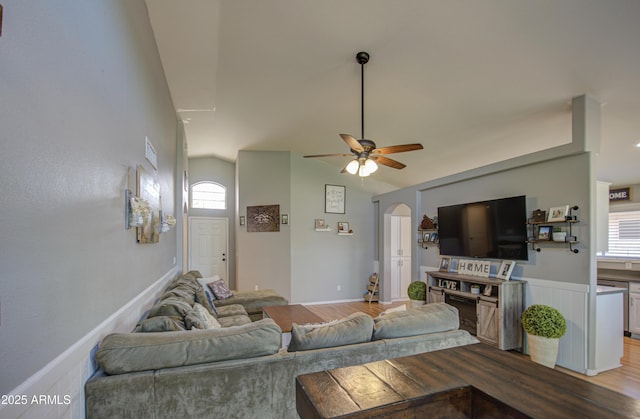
[(489, 308)]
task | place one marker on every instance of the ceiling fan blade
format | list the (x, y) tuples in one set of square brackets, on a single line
[(352, 143), (388, 162), (397, 148), (329, 155)]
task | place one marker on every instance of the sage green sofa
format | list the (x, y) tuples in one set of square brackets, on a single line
[(242, 372)]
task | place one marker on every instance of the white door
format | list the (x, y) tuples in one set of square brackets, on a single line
[(208, 246), (400, 256)]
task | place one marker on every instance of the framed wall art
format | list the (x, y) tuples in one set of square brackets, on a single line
[(334, 199), (263, 218), (149, 190)]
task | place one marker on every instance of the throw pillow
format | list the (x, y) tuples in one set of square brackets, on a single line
[(200, 318), (220, 290)]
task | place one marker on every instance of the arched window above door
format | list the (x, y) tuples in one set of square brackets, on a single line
[(208, 195)]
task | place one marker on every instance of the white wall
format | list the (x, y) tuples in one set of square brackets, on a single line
[(81, 86)]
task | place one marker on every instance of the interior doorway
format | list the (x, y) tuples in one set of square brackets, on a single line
[(398, 249), (209, 246)]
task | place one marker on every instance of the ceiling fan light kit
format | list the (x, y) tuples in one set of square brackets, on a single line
[(367, 155)]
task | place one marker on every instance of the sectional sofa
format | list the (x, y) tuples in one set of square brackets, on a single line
[(240, 370)]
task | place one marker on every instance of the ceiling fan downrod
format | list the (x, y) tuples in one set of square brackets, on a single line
[(362, 58)]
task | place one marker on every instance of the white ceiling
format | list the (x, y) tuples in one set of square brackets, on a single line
[(474, 81)]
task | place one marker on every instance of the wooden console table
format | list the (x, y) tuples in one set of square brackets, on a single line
[(463, 382), (493, 317)]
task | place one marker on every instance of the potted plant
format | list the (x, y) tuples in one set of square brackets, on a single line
[(417, 293), (545, 326)]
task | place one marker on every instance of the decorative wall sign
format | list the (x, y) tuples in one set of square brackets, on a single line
[(263, 218), (474, 267), (150, 153), (334, 199), (620, 194)]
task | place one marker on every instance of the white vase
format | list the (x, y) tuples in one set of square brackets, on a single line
[(559, 236), (417, 303), (543, 351)]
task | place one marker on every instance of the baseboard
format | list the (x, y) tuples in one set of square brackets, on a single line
[(330, 302), (57, 390)]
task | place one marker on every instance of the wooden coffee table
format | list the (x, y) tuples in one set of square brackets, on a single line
[(467, 381), (284, 316)]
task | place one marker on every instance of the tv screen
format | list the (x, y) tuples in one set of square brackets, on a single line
[(495, 229)]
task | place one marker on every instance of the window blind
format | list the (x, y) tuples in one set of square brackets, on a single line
[(624, 234)]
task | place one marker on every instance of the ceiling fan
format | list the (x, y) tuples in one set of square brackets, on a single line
[(367, 155)]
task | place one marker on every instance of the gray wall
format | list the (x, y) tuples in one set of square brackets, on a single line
[(263, 259), (550, 178), (300, 263), (81, 86), (223, 172)]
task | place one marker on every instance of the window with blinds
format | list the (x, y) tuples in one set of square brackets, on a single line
[(624, 234), (208, 195)]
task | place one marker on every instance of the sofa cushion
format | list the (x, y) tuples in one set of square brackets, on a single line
[(171, 306), (232, 310), (231, 321), (355, 328), (431, 318), (253, 301), (181, 291), (160, 324), (120, 353), (200, 318)]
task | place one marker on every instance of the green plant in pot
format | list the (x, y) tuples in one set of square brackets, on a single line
[(417, 293), (545, 326)]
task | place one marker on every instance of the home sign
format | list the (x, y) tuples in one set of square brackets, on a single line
[(474, 267)]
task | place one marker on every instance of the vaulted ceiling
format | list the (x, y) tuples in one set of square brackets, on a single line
[(474, 81)]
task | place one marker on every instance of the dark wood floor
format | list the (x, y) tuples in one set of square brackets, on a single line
[(625, 379)]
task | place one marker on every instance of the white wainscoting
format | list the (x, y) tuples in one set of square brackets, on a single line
[(64, 377), (572, 301)]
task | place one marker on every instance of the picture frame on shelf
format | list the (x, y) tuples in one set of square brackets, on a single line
[(343, 227), (544, 233), (445, 264), (558, 213), (505, 270), (538, 216), (321, 224)]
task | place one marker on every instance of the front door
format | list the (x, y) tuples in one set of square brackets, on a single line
[(208, 246)]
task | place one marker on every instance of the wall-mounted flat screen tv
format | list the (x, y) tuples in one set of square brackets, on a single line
[(495, 229)]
